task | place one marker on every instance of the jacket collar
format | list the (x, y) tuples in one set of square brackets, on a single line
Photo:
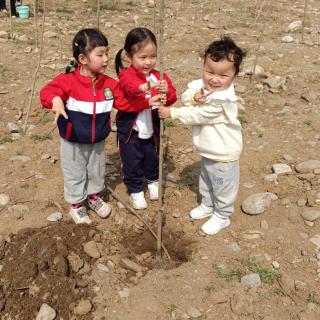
[(141, 74), (87, 81)]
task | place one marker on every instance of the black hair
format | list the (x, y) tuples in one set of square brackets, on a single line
[(225, 48), (84, 42), (135, 40)]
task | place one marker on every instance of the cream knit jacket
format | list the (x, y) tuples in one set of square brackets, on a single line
[(216, 130)]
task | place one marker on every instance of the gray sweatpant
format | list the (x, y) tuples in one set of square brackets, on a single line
[(83, 168), (218, 185)]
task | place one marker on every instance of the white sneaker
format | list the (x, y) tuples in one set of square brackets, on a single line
[(138, 200), (201, 212), (80, 215), (153, 188), (101, 208), (215, 225)]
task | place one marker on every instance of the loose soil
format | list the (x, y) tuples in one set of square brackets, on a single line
[(204, 273)]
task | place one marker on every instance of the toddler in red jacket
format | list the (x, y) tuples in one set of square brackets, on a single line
[(137, 120), (82, 99)]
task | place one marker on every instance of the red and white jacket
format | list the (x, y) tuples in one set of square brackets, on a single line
[(87, 105), (134, 101)]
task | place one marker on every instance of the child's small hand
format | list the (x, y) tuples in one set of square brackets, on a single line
[(163, 86), (58, 109), (163, 99), (155, 101), (164, 112), (145, 87), (200, 96)]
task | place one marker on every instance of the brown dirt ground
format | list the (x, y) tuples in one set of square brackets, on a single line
[(29, 244)]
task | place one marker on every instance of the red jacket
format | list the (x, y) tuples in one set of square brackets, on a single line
[(88, 106), (129, 81)]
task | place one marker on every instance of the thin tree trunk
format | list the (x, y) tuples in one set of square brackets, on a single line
[(304, 19), (98, 14), (160, 213), (37, 68)]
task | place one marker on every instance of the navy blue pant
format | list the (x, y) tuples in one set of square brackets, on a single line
[(140, 160)]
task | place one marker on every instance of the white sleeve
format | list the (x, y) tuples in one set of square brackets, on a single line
[(198, 115)]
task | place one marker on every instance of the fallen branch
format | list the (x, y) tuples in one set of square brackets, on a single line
[(117, 197)]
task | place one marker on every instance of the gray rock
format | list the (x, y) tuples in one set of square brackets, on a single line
[(242, 304), (310, 214), (55, 217), (257, 203), (294, 26), (287, 39), (132, 265), (271, 178), (281, 168), (308, 166), (46, 313), (102, 267), (13, 127), (124, 293), (4, 199), (76, 263), (251, 280), (264, 225), (275, 82), (234, 247), (194, 313)]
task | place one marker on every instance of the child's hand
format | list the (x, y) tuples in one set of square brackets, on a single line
[(163, 86), (200, 96), (145, 87), (163, 99), (164, 112), (58, 109), (155, 101)]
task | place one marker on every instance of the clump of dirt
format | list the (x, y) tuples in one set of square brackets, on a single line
[(36, 270)]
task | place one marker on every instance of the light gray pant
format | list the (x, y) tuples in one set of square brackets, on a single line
[(83, 167), (218, 185)]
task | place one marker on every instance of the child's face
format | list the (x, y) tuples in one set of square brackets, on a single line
[(97, 61), (145, 58), (218, 76)]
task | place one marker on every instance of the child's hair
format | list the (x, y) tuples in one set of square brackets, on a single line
[(225, 48), (84, 42), (135, 40)]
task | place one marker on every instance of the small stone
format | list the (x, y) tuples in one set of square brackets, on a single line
[(275, 264), (55, 217), (45, 156), (299, 285), (287, 39), (281, 168), (83, 307), (124, 293), (308, 166), (4, 199), (50, 34), (4, 34), (91, 249), (234, 247), (308, 223), (310, 214), (257, 203), (294, 26), (120, 205), (251, 280), (316, 240), (46, 313), (102, 267), (194, 313), (301, 202), (132, 265), (13, 127)]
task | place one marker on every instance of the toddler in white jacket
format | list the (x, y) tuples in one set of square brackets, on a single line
[(210, 107)]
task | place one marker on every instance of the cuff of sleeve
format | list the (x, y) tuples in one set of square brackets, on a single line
[(174, 112)]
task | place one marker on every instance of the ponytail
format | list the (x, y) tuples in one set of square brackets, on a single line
[(71, 66), (118, 62)]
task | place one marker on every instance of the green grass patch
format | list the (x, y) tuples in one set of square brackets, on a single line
[(38, 137), (228, 275), (24, 185), (168, 123), (266, 275), (3, 71), (109, 5), (6, 139), (307, 123), (280, 292), (242, 119), (313, 299), (172, 307)]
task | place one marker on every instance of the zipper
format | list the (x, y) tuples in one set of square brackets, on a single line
[(93, 124)]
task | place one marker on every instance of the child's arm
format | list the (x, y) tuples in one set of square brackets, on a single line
[(54, 95), (131, 84), (196, 115)]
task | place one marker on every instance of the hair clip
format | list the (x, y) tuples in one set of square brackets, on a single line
[(76, 44)]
